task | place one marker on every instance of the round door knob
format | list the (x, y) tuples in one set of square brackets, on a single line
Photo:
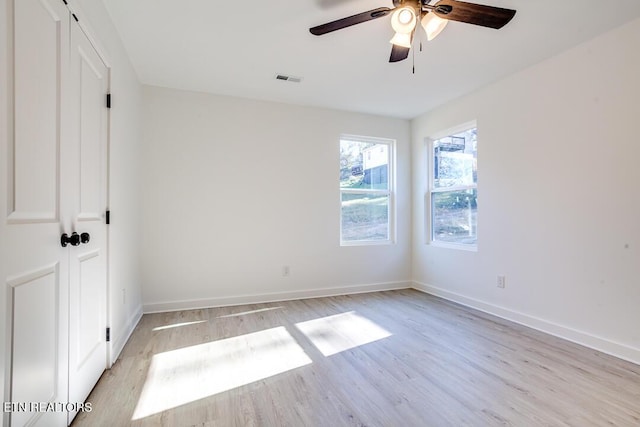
[(74, 239), (84, 238)]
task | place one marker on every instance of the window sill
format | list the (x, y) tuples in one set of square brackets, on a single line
[(367, 243), (458, 246)]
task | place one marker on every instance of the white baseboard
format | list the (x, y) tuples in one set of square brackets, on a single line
[(586, 339), (122, 339), (160, 307)]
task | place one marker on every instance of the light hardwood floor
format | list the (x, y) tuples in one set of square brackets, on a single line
[(399, 358)]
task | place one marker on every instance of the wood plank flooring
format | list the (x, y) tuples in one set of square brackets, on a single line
[(399, 358)]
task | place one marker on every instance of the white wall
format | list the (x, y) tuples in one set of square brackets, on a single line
[(124, 190), (559, 203), (236, 189)]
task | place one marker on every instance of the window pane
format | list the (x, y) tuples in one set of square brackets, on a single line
[(365, 217), (454, 216), (364, 165), (455, 160)]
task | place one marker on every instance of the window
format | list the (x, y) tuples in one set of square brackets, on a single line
[(366, 198), (454, 189)]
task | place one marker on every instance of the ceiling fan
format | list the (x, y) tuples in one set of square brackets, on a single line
[(433, 18)]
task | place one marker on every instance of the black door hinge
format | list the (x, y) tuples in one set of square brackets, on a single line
[(108, 100), (108, 334), (107, 217)]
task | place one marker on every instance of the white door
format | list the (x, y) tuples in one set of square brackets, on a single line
[(37, 265), (87, 278), (57, 156)]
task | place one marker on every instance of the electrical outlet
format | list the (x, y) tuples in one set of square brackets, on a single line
[(286, 271), (501, 282)]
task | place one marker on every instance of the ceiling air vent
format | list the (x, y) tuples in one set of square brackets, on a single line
[(292, 79)]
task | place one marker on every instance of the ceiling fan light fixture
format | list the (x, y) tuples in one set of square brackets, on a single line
[(403, 20), (433, 25), (405, 16), (401, 39)]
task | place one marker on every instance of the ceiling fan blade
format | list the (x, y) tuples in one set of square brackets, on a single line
[(350, 20), (398, 53), (471, 13)]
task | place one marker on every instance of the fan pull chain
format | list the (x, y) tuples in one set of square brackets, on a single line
[(413, 60)]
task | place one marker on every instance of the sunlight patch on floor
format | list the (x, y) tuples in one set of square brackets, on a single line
[(192, 373), (177, 325), (243, 313), (333, 334)]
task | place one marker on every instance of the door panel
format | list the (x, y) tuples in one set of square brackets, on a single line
[(87, 352), (40, 40), (37, 265), (88, 277), (35, 352), (93, 122), (91, 280)]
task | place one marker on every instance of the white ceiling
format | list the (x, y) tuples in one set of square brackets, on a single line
[(234, 48)]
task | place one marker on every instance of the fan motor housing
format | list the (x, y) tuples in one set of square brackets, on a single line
[(412, 3)]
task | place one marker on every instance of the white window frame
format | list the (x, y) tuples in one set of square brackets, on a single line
[(389, 192), (431, 189)]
